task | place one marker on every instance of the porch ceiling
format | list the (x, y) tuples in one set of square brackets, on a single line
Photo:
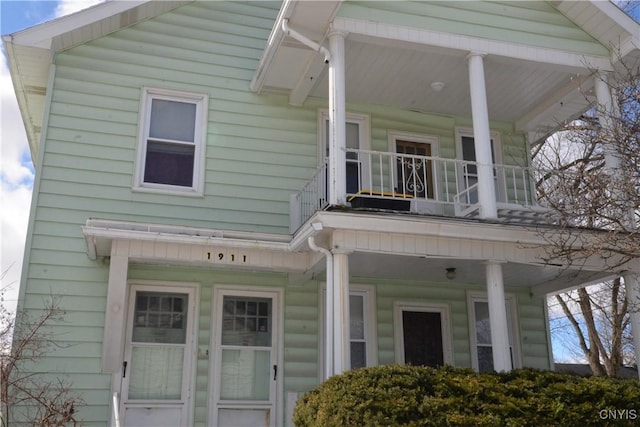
[(540, 279), (536, 89), (533, 95)]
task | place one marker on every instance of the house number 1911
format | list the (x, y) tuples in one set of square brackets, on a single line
[(220, 256)]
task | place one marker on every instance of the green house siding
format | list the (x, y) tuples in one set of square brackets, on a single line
[(522, 22), (259, 151)]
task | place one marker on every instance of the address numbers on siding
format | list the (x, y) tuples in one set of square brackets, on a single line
[(226, 257)]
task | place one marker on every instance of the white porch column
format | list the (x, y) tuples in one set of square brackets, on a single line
[(606, 114), (482, 136), (498, 317), (632, 289), (341, 346), (337, 118), (116, 310)]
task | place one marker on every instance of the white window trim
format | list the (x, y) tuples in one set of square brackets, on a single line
[(514, 327), (394, 136), (365, 131), (370, 323), (445, 324), (200, 140)]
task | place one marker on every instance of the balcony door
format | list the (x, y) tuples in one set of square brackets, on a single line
[(414, 168), (357, 138), (468, 173)]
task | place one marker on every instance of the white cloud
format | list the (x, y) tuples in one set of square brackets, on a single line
[(66, 7), (16, 178)]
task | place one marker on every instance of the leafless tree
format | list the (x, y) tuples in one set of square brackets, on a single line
[(589, 174), (27, 395), (599, 320)]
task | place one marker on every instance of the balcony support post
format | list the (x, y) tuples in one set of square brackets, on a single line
[(498, 317), (337, 121), (482, 136)]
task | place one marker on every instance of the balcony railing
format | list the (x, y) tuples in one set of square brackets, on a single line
[(419, 184), (313, 197)]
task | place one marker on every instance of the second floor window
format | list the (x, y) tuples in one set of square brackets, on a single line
[(173, 137)]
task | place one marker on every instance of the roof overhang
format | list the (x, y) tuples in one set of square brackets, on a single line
[(31, 52)]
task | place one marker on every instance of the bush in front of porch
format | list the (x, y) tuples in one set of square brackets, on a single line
[(420, 396)]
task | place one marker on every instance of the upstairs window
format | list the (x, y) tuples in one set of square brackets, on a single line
[(172, 141)]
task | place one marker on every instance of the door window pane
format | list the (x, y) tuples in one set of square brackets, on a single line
[(156, 373), (245, 374), (160, 318), (422, 333), (246, 321)]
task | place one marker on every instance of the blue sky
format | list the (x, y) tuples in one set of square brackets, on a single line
[(18, 15), (16, 170)]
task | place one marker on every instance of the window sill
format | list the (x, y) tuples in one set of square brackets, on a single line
[(169, 191)]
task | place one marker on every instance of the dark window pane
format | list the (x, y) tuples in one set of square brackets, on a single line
[(228, 307), (358, 355), (142, 302), (353, 177), (240, 307), (168, 163), (252, 308), (422, 338), (485, 359), (177, 304), (263, 308)]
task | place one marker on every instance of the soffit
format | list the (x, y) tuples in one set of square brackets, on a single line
[(605, 22)]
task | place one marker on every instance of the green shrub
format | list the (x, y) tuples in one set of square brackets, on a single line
[(421, 396)]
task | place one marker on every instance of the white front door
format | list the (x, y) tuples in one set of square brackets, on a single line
[(156, 383), (245, 363)]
